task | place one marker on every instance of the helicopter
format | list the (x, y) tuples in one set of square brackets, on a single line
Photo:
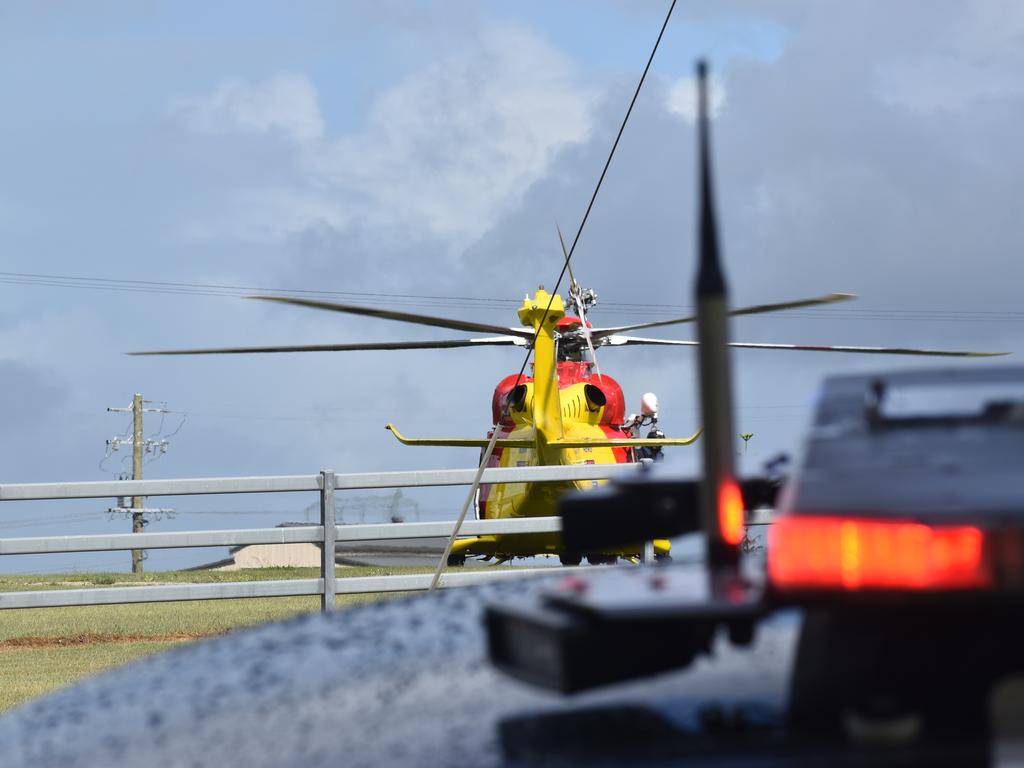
[(566, 413)]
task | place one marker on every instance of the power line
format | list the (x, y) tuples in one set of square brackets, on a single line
[(214, 289), (52, 520), (464, 302)]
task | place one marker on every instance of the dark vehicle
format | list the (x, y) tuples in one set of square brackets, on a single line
[(900, 536), (945, 444), (910, 481), (903, 533)]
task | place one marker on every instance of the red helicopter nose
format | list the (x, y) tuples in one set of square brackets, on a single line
[(569, 322)]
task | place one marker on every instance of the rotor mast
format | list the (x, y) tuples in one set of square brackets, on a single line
[(542, 313)]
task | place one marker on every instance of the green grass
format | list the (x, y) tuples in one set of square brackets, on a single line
[(46, 648), (9, 583), (31, 672)]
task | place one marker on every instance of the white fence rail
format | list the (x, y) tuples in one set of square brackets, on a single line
[(326, 534), (291, 483)]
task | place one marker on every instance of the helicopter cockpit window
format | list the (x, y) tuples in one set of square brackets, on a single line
[(572, 353)]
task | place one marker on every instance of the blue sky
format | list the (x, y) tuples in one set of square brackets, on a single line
[(428, 149)]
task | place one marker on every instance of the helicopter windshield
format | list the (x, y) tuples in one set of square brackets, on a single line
[(574, 353)]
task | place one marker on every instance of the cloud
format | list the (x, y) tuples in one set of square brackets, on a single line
[(455, 144), (285, 103), (443, 152), (270, 214), (681, 98), (980, 58)]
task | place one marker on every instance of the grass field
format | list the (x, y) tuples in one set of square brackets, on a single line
[(42, 649)]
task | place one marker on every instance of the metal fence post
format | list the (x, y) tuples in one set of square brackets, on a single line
[(327, 483), (647, 555)]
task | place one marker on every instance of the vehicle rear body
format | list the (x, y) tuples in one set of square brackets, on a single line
[(910, 480), (902, 535)]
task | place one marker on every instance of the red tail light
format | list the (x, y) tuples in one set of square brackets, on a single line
[(730, 512), (821, 553)]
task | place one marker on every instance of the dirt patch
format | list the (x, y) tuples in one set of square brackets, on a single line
[(86, 584), (95, 638)]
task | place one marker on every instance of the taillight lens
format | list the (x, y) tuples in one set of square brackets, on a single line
[(730, 512), (826, 553)]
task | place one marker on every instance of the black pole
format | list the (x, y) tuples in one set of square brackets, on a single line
[(721, 503)]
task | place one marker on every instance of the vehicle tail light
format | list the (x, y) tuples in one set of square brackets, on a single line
[(730, 512), (828, 553)]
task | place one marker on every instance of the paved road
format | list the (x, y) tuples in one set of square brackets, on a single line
[(390, 552), (424, 553)]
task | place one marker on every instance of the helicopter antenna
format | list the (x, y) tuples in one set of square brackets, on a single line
[(576, 294), (573, 285), (486, 456)]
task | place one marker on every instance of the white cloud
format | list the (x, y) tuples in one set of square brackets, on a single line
[(682, 98), (268, 214), (285, 103), (455, 143), (980, 58), (442, 153)]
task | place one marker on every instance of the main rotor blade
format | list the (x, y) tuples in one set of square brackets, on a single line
[(385, 345), (757, 309), (403, 317), (621, 341)]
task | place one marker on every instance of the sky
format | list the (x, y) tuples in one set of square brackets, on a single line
[(418, 155)]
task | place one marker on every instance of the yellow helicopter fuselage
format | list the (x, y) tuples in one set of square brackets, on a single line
[(559, 416)]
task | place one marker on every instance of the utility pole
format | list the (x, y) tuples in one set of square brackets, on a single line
[(137, 522), (139, 445)]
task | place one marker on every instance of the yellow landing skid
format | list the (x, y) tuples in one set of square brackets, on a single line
[(529, 443), (529, 545)]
